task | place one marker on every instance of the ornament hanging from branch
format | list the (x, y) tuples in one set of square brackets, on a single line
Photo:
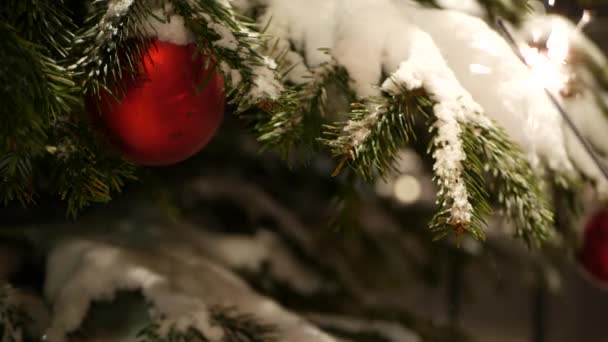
[(170, 111)]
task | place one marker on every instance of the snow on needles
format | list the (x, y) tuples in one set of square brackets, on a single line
[(81, 272), (425, 68), (486, 66), (369, 37), (266, 84), (178, 282), (118, 8), (169, 27)]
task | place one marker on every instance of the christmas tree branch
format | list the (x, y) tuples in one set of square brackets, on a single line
[(250, 76), (42, 22), (236, 327), (369, 141), (473, 158), (297, 118), (83, 170), (45, 123), (13, 319), (109, 49), (513, 183), (35, 91), (462, 196)]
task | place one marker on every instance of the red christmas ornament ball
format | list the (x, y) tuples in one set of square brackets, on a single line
[(162, 118), (593, 254)]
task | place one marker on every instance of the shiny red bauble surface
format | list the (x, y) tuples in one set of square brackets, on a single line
[(162, 119), (593, 254)]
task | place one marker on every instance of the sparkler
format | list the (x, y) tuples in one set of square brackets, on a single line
[(549, 73)]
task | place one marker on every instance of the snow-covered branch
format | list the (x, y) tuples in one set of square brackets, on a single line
[(181, 286)]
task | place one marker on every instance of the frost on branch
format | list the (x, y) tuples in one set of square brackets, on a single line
[(437, 71), (425, 69), (466, 145), (298, 119), (118, 32), (188, 294), (13, 318), (480, 59), (485, 65)]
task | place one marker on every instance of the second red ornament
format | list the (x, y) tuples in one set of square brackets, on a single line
[(593, 254)]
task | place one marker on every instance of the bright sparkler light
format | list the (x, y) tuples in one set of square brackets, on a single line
[(585, 19), (548, 67)]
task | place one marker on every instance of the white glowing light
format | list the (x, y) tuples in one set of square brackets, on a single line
[(407, 189), (585, 19), (558, 44), (548, 67), (536, 34), (480, 69), (551, 3)]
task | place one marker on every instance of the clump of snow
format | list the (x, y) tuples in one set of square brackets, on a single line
[(118, 8), (80, 272), (266, 84), (426, 69), (173, 276), (264, 249), (369, 37), (168, 28), (506, 89), (281, 41), (233, 75), (227, 39), (449, 157), (359, 130)]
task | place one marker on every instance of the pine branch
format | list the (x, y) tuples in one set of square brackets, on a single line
[(369, 141), (108, 50), (44, 123), (13, 319), (151, 333), (250, 76), (497, 169), (16, 170), (34, 90), (297, 117), (448, 218), (84, 170), (240, 327), (34, 86), (237, 327), (515, 186), (42, 22), (491, 164)]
